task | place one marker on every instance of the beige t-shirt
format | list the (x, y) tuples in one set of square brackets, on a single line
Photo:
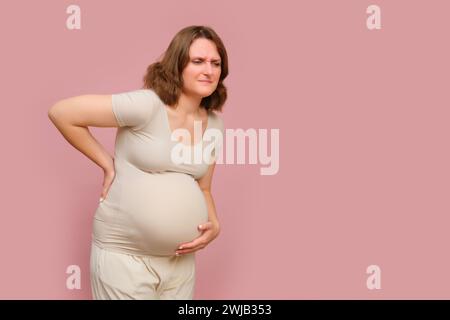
[(154, 203)]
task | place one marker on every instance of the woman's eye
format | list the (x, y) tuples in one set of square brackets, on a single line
[(197, 62)]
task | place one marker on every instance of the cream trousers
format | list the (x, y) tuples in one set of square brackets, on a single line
[(119, 276)]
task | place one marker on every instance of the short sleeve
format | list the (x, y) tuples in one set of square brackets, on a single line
[(134, 108)]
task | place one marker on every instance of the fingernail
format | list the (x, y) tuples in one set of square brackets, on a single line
[(177, 254), (101, 199), (180, 248)]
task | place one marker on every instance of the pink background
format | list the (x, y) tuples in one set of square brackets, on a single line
[(364, 157)]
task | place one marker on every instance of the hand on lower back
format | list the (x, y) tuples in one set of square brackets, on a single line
[(108, 178)]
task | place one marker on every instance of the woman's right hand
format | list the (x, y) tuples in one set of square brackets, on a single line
[(109, 175)]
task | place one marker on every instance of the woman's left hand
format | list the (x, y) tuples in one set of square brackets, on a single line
[(210, 230)]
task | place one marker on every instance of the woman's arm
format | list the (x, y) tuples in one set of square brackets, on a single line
[(72, 117), (205, 185)]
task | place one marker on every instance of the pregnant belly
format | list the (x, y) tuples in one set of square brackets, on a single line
[(163, 211)]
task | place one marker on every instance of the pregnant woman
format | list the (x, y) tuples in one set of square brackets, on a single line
[(155, 210)]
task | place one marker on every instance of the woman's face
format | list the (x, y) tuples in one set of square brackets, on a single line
[(201, 74)]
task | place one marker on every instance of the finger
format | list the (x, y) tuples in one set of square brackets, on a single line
[(192, 244), (186, 246), (205, 226), (103, 195), (185, 251), (179, 253)]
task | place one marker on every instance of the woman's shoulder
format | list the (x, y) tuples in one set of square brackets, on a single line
[(135, 108), (147, 92)]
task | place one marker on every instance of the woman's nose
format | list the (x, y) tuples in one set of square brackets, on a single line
[(208, 68)]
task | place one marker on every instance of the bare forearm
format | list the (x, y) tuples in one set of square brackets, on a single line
[(82, 140), (212, 216)]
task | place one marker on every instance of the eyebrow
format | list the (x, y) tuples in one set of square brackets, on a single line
[(204, 58)]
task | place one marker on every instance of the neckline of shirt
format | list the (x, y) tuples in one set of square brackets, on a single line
[(169, 129)]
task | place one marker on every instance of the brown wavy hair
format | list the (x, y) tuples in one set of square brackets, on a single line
[(165, 76)]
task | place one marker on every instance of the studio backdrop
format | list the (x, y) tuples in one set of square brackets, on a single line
[(333, 180)]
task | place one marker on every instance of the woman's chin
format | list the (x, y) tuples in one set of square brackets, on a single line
[(204, 92)]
